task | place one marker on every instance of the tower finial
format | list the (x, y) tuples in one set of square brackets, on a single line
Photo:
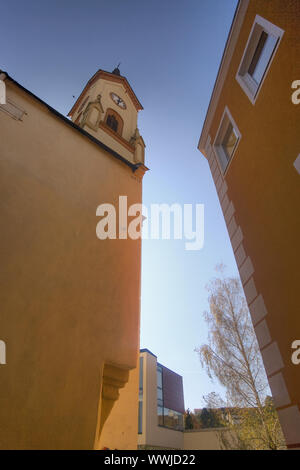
[(116, 71)]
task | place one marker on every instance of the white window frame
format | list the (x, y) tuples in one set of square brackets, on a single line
[(13, 110), (2, 92), (222, 159), (244, 79)]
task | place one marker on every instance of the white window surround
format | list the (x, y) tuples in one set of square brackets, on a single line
[(225, 122), (13, 110), (245, 80), (2, 91)]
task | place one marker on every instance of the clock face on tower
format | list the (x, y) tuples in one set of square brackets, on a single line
[(118, 100)]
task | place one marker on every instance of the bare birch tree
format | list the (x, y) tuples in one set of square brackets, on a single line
[(232, 356)]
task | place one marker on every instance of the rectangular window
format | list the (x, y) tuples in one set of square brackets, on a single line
[(13, 110), (260, 49), (227, 139), (167, 418), (160, 398), (140, 425), (160, 414), (141, 391), (159, 377), (141, 376), (172, 419), (229, 142)]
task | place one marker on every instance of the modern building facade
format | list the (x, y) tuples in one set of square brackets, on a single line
[(161, 405), (250, 138), (70, 302)]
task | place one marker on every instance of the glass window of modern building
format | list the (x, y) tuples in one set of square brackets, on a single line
[(166, 417)]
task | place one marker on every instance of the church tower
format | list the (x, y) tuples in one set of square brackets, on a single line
[(108, 109), (69, 334)]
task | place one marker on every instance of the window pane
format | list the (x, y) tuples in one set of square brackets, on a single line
[(140, 426), (262, 56), (160, 415), (258, 52), (141, 375), (229, 141), (112, 122), (159, 377), (173, 419)]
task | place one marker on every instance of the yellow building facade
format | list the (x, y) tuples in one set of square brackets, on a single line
[(250, 138), (70, 302)]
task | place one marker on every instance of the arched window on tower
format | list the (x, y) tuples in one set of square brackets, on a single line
[(112, 122)]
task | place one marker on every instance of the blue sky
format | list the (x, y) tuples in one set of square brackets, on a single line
[(170, 52)]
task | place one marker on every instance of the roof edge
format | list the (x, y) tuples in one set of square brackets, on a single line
[(133, 166), (145, 350)]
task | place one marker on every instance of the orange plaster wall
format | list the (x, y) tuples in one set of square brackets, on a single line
[(262, 181), (69, 302)]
